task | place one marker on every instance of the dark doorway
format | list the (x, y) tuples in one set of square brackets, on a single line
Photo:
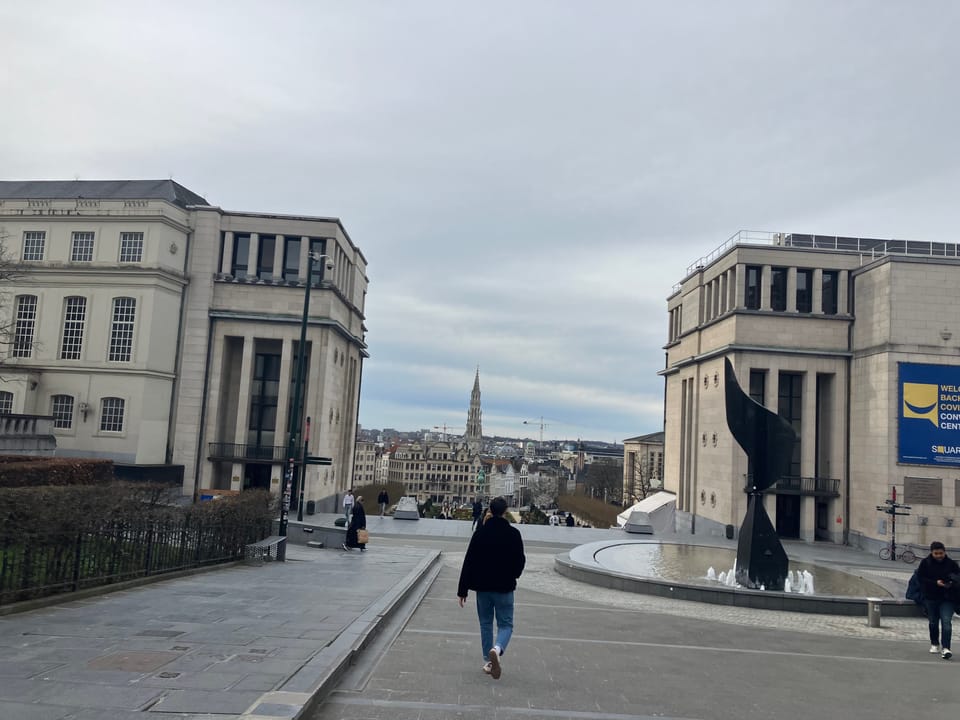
[(788, 516), (823, 521), (256, 475)]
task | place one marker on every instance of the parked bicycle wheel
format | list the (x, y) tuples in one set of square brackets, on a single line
[(908, 556), (885, 553)]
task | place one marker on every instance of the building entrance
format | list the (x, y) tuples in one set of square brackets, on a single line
[(788, 516), (256, 475)]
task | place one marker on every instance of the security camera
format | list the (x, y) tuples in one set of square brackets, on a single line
[(329, 265)]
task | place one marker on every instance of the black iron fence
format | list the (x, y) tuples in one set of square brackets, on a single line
[(245, 451), (792, 485), (39, 564)]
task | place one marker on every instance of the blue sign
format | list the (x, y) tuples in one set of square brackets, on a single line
[(929, 415)]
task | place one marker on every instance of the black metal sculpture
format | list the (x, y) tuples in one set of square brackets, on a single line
[(768, 440)]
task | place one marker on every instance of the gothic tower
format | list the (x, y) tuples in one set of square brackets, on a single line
[(474, 433)]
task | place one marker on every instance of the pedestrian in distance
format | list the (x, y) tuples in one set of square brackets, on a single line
[(384, 500), (477, 514), (493, 562), (570, 520), (358, 521), (937, 574), (348, 505)]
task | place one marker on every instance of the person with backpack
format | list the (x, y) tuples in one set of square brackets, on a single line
[(937, 574)]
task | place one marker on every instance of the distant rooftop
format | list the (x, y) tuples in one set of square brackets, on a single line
[(168, 190), (875, 247)]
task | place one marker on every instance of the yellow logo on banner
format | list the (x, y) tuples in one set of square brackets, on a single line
[(920, 401)]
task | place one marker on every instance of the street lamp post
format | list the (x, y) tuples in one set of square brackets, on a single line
[(295, 422)]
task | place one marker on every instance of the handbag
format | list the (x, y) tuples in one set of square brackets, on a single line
[(363, 537)]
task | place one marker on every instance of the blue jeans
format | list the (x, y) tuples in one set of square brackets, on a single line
[(501, 605), (940, 615)]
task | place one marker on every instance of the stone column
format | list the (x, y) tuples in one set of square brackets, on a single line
[(765, 276), (817, 292), (278, 258), (304, 249), (738, 298), (842, 284), (808, 518), (707, 302), (226, 266), (791, 289), (808, 426), (253, 261), (243, 392), (724, 281)]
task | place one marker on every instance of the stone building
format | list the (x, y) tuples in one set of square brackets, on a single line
[(159, 329), (442, 471), (642, 466), (365, 463), (852, 340)]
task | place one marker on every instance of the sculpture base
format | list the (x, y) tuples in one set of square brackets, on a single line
[(761, 559)]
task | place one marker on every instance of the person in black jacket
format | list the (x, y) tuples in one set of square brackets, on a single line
[(477, 513), (358, 521), (383, 499), (493, 562), (936, 583)]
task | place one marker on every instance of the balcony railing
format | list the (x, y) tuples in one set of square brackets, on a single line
[(244, 451), (810, 486)]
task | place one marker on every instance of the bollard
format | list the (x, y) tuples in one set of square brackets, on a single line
[(873, 611)]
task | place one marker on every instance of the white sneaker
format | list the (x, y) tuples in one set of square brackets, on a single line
[(934, 649), (487, 668), (946, 654)]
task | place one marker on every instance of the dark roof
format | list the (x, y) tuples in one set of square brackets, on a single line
[(167, 190), (654, 437)]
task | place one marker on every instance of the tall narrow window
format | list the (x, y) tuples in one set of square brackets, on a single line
[(778, 289), (81, 247), (804, 291), (25, 326), (758, 385), (265, 257), (131, 247), (241, 255), (34, 243), (752, 298), (829, 292), (61, 407), (790, 407), (74, 320), (111, 414), (318, 247), (6, 402), (263, 400), (291, 258), (121, 329)]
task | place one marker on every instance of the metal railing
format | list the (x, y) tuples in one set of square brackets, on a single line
[(46, 563), (245, 451), (792, 485)]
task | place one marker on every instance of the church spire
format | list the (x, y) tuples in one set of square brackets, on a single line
[(474, 430)]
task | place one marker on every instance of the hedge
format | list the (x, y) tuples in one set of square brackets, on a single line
[(24, 472)]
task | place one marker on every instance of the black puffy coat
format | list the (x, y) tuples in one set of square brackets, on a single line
[(494, 559)]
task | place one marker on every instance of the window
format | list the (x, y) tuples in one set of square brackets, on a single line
[(263, 400), (121, 330), (33, 244), (25, 326), (317, 247), (241, 256), (265, 257), (804, 291), (758, 385), (81, 248), (790, 408), (131, 247), (74, 319), (752, 299), (61, 407), (291, 258), (111, 414), (829, 292), (778, 289), (6, 402)]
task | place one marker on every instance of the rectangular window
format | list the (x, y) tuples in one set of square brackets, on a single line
[(131, 247), (829, 292), (804, 291), (291, 259), (778, 289), (790, 407), (121, 330), (265, 257), (758, 385), (61, 407), (6, 402), (241, 256), (81, 247), (318, 247), (263, 400), (111, 415), (34, 243), (752, 298), (25, 326), (74, 319)]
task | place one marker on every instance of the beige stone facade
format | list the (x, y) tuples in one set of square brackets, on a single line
[(196, 365), (443, 471), (816, 329), (642, 466)]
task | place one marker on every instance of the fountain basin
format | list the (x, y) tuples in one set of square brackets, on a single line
[(679, 571)]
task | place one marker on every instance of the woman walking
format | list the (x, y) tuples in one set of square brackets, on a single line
[(358, 521)]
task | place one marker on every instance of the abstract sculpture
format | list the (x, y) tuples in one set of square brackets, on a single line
[(768, 440)]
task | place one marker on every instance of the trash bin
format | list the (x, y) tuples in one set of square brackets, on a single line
[(729, 532), (311, 507), (873, 611)]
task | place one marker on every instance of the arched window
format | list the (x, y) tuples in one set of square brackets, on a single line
[(111, 414), (61, 407), (6, 402)]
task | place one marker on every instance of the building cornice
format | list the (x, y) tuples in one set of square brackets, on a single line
[(329, 323), (764, 349)]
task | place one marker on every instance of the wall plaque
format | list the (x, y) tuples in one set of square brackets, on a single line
[(923, 491)]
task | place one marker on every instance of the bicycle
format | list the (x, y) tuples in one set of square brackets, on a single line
[(907, 555)]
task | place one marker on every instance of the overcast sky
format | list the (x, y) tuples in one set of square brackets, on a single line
[(527, 180)]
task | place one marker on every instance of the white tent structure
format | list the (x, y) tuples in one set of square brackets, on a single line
[(650, 515)]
